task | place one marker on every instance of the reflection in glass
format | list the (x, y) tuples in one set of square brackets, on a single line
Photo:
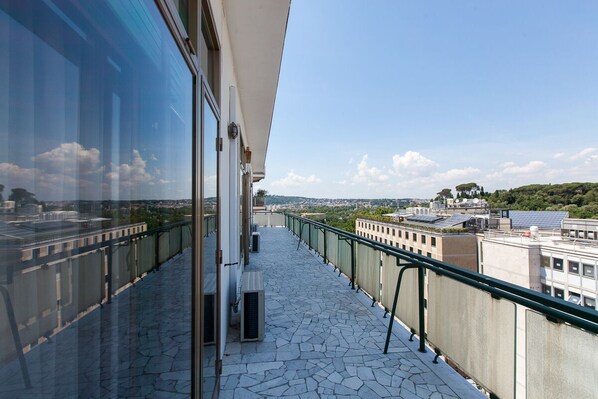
[(96, 127), (210, 245)]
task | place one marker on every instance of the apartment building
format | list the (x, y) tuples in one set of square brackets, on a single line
[(557, 266), (441, 238)]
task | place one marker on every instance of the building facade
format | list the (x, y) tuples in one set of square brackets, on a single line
[(554, 265), (109, 104), (454, 247)]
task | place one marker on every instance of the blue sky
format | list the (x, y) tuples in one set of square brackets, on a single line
[(401, 99)]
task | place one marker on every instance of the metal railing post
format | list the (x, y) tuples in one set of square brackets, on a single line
[(157, 250), (422, 324), (300, 234), (15, 335), (325, 252), (352, 243), (309, 236), (109, 272), (394, 305)]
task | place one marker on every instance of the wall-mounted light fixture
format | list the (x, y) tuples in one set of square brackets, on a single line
[(233, 130), (247, 155)]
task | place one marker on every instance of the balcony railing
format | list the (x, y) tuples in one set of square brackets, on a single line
[(513, 341), (42, 296)]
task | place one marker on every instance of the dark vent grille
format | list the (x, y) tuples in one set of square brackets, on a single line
[(251, 320), (208, 319)]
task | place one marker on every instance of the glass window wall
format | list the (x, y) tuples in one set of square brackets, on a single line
[(96, 126)]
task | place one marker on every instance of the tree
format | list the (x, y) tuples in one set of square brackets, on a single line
[(444, 194), (261, 193), (466, 189), (22, 197)]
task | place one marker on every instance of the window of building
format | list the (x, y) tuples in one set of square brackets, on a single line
[(65, 246), (557, 264), (51, 250), (393, 232), (589, 302), (574, 298), (378, 228), (573, 267), (545, 261), (429, 254), (414, 237), (392, 243), (388, 230), (546, 289), (400, 233), (433, 242), (410, 249), (423, 239), (385, 241), (403, 246), (406, 235), (559, 293), (588, 270), (419, 251)]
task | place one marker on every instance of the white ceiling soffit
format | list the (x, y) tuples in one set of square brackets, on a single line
[(257, 30)]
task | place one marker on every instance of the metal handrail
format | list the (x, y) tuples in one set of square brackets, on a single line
[(576, 315)]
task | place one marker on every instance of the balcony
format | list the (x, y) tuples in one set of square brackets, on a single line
[(326, 334), (102, 335), (325, 339)]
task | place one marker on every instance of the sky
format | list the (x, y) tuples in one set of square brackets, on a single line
[(394, 99), (96, 119)]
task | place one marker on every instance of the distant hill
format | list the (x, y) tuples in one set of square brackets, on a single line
[(293, 200), (579, 199)]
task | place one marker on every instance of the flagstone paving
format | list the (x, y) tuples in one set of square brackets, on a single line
[(325, 340)]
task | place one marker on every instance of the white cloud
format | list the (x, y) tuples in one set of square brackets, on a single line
[(412, 163), (367, 174), (70, 159), (558, 155), (130, 175), (456, 174), (531, 167), (583, 153), (293, 179), (163, 181), (153, 158)]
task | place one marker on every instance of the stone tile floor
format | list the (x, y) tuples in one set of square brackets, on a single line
[(137, 346), (325, 340)]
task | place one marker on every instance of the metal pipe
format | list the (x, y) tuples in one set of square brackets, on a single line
[(422, 323), (15, 335), (394, 305)]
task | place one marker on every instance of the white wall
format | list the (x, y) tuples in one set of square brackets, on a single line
[(229, 174)]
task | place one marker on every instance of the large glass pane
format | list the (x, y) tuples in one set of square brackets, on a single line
[(210, 245), (95, 192)]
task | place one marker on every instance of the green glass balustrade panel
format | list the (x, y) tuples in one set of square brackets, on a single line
[(407, 306), (121, 266), (561, 360), (475, 330), (344, 257), (147, 254), (164, 247), (332, 247), (367, 270), (175, 241)]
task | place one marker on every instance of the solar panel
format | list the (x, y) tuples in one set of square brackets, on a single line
[(456, 219), (542, 219), (424, 218)]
